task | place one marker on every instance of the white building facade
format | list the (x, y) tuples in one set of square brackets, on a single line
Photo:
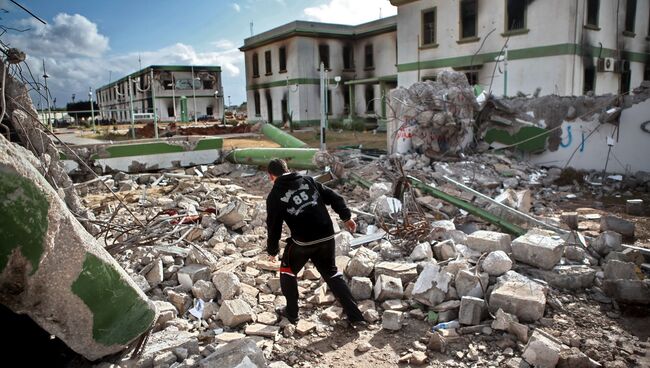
[(178, 93), (283, 71), (563, 47)]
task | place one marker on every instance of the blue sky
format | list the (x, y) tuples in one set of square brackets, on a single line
[(85, 41)]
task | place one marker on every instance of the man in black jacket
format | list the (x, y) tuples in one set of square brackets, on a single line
[(301, 203)]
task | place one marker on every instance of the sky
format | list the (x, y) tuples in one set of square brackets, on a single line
[(87, 43)]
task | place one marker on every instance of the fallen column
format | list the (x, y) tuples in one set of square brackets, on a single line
[(54, 271), (282, 138), (297, 158)]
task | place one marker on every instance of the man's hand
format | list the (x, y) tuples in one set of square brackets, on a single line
[(273, 258), (351, 225)]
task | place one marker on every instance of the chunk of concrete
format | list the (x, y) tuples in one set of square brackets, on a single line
[(542, 350), (445, 250), (502, 320), (472, 310), (362, 263), (422, 252), (361, 288), (617, 224), (406, 272), (568, 277), (182, 301), (606, 242), (228, 284), (617, 270), (469, 284), (235, 312), (259, 329), (538, 250), (497, 263), (166, 312), (242, 353), (204, 290), (432, 285), (155, 275), (392, 320), (488, 241), (387, 287), (192, 273), (628, 291), (518, 295)]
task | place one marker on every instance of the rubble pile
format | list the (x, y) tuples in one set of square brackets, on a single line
[(487, 297)]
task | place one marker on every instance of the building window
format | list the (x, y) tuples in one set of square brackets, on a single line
[(267, 61), (593, 7), (429, 27), (625, 82), (630, 15), (256, 66), (329, 102), (348, 57), (369, 57), (170, 111), (324, 55), (256, 97), (346, 101), (283, 59), (646, 72), (589, 82), (516, 14), (472, 78), (370, 99), (468, 18), (208, 110)]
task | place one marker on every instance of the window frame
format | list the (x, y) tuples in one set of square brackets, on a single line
[(256, 65), (460, 22), (282, 54), (257, 103), (433, 43), (370, 102), (588, 24), (268, 62), (326, 61), (512, 32), (594, 70), (627, 31), (371, 65), (350, 60)]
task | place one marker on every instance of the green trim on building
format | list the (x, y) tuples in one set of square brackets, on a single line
[(145, 149), (119, 313), (24, 224), (171, 68), (519, 54), (375, 80), (401, 2)]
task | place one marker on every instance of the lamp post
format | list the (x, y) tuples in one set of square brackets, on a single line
[(92, 108), (174, 95), (47, 99), (194, 93)]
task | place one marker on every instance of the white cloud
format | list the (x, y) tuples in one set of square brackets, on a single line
[(236, 7), (77, 56), (350, 11)]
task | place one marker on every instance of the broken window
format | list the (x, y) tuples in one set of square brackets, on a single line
[(256, 66), (429, 27), (170, 111), (516, 14), (630, 15), (348, 57), (472, 78), (369, 57), (468, 18), (592, 12), (346, 101), (256, 97), (324, 55), (589, 82), (267, 60), (329, 102), (370, 99), (646, 72), (207, 84), (208, 110), (625, 82), (283, 59)]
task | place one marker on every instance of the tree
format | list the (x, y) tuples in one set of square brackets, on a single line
[(81, 109)]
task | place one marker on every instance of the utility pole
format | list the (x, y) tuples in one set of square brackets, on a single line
[(194, 94), (92, 108), (323, 106), (131, 102), (505, 71), (153, 103), (174, 95), (47, 98)]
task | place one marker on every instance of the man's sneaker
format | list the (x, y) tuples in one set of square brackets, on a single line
[(358, 324), (282, 312)]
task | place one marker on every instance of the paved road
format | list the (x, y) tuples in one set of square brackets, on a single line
[(73, 137)]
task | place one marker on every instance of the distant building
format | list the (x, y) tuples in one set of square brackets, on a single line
[(563, 47), (283, 71), (180, 91)]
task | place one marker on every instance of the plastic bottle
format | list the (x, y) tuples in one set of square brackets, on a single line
[(446, 325)]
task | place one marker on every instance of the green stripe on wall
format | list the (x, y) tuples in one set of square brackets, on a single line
[(144, 149), (519, 54), (208, 144)]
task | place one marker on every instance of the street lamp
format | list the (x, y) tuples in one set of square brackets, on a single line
[(194, 92), (92, 108)]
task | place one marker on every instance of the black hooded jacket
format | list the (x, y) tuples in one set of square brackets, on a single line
[(300, 202)]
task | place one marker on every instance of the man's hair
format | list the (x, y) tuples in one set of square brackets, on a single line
[(277, 167)]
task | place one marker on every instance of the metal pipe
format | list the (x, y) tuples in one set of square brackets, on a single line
[(278, 136), (153, 104), (297, 158)]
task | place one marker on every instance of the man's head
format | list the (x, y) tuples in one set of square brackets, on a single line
[(277, 167)]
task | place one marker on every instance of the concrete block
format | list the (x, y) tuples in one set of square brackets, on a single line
[(259, 329), (361, 288), (180, 300), (472, 310), (615, 270), (387, 287), (155, 275), (488, 241), (228, 284), (617, 224), (204, 290), (606, 242), (432, 285), (568, 277), (538, 250), (362, 263), (628, 291), (445, 250), (520, 296), (406, 272), (239, 353), (235, 312), (469, 284), (304, 327), (503, 320), (392, 320), (497, 263), (542, 351), (192, 273), (422, 252), (166, 312)]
